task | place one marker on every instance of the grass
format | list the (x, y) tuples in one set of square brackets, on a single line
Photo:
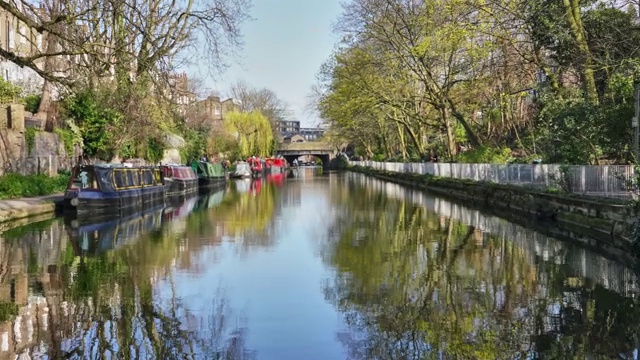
[(14, 186)]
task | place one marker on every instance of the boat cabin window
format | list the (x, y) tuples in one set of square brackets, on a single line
[(147, 177), (85, 180), (120, 179), (134, 178)]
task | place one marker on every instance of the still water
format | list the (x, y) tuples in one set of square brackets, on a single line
[(336, 266)]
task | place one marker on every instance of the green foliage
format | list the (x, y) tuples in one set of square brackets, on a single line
[(17, 186), (8, 310), (68, 139), (573, 131), (486, 155), (9, 92), (155, 150), (30, 138), (341, 162), (93, 120), (128, 150), (32, 102), (196, 144), (252, 131)]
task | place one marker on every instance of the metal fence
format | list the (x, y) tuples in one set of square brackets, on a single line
[(600, 180)]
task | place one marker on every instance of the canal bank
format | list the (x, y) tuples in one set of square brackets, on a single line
[(16, 209), (610, 221)]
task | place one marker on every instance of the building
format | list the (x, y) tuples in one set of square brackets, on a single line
[(213, 110), (312, 134), (293, 138), (179, 92), (17, 37), (288, 127)]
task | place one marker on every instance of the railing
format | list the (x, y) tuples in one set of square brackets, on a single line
[(601, 180)]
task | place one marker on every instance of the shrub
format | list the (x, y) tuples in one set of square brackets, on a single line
[(16, 185), (485, 155)]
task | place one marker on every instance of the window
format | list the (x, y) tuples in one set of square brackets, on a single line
[(85, 180), (147, 177), (119, 178), (216, 110), (134, 179)]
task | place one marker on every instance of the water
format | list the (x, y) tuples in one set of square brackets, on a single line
[(310, 267)]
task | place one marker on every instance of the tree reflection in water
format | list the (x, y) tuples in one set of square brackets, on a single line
[(110, 304), (413, 284)]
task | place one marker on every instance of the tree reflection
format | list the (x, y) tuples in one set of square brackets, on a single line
[(246, 218), (413, 284), (110, 304)]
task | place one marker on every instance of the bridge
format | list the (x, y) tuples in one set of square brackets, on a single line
[(322, 150)]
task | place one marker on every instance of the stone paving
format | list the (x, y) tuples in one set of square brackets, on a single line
[(14, 209)]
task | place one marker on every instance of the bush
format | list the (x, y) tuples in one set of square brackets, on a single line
[(341, 162), (16, 185), (485, 155), (32, 102)]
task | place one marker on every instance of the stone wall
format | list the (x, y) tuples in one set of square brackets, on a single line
[(610, 221), (46, 154)]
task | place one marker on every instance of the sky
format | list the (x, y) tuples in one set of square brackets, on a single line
[(285, 44)]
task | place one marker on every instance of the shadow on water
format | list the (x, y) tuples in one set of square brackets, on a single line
[(420, 277), (71, 289)]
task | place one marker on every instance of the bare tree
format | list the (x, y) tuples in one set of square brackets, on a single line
[(123, 39), (264, 100)]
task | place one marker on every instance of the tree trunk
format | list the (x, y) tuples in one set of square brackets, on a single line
[(50, 66), (473, 138), (451, 141), (572, 10)]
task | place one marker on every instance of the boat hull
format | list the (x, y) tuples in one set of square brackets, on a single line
[(180, 187), (205, 183), (95, 203)]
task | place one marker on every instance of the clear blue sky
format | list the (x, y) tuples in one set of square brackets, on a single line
[(284, 47)]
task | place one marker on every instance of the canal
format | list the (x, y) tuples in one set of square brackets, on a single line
[(334, 266)]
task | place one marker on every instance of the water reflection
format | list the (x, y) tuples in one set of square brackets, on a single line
[(96, 293), (277, 273), (420, 277)]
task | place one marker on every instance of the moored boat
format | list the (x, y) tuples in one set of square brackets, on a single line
[(104, 188), (243, 170), (179, 180), (209, 174), (276, 165), (256, 166)]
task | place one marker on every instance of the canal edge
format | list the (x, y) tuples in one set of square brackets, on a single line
[(608, 222)]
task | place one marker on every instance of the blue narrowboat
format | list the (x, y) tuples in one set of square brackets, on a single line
[(104, 188)]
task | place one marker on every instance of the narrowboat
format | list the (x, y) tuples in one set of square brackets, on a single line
[(256, 166), (276, 165), (209, 174), (105, 188), (179, 180), (243, 170)]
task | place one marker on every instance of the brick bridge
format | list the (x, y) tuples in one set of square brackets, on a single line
[(322, 150)]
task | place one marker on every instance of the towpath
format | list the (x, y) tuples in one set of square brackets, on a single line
[(14, 209)]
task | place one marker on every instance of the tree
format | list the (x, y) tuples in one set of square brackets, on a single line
[(263, 100), (252, 132)]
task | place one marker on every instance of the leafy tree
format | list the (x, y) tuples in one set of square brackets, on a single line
[(252, 132)]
